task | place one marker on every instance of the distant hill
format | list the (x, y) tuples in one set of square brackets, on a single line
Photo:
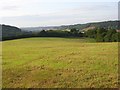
[(87, 26), (105, 24), (41, 28), (10, 31)]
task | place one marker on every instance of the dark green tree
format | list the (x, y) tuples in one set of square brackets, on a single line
[(43, 33), (110, 36), (91, 33), (101, 32), (74, 32)]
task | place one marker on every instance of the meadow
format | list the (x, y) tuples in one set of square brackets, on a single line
[(59, 63), (0, 65)]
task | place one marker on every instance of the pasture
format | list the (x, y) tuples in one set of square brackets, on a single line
[(59, 63)]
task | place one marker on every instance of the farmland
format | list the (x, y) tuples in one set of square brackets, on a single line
[(59, 63)]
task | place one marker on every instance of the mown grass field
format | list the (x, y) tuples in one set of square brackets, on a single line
[(59, 63)]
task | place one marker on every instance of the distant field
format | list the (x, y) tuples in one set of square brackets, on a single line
[(59, 63)]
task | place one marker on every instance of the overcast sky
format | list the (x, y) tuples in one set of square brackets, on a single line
[(31, 13)]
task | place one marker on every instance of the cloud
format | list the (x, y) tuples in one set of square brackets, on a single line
[(37, 13), (10, 8), (60, 18)]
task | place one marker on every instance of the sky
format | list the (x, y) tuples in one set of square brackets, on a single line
[(32, 13)]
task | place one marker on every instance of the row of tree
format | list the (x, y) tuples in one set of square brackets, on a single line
[(11, 32), (100, 34), (103, 35), (60, 33)]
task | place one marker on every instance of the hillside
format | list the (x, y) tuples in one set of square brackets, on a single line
[(105, 24), (10, 31)]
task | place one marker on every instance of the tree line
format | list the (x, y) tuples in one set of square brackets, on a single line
[(10, 32), (100, 34), (60, 33), (103, 35)]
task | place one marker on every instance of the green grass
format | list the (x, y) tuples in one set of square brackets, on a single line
[(0, 65), (59, 63)]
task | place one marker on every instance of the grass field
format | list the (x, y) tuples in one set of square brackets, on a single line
[(0, 65), (59, 63)]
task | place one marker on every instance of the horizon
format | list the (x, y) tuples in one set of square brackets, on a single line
[(61, 25), (71, 24), (45, 14)]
